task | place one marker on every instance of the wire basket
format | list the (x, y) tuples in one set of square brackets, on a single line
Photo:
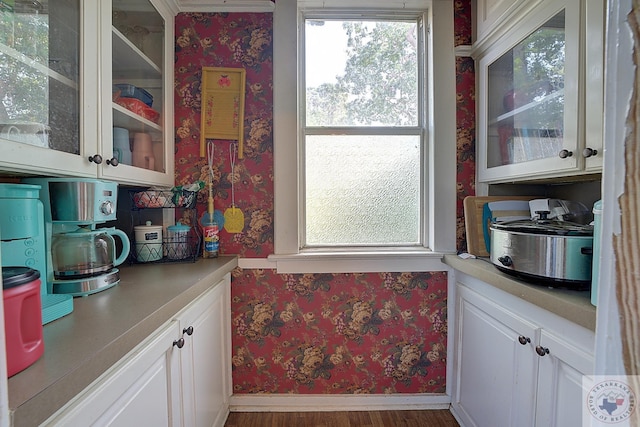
[(157, 199), (170, 250)]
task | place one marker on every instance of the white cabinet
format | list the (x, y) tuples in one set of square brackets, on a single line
[(513, 369), (540, 92), (490, 13), (59, 61), (206, 358), (137, 46), (144, 385), (560, 397), (179, 376), (490, 357)]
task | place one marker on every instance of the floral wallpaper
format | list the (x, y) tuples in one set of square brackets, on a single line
[(339, 333), (308, 333), (465, 117), (237, 40)]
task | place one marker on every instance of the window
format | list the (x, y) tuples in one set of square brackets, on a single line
[(364, 179), (362, 133)]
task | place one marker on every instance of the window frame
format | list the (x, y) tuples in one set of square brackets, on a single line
[(420, 130), (440, 148)]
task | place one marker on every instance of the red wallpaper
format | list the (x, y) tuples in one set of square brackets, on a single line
[(309, 333)]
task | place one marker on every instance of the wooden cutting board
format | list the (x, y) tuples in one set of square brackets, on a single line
[(473, 206)]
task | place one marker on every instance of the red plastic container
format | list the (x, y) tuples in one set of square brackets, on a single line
[(22, 317)]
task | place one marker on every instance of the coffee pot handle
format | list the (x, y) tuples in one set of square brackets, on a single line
[(126, 245)]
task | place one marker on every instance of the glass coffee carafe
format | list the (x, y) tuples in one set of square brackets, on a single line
[(86, 253)]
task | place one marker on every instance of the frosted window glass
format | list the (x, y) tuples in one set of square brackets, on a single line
[(362, 190)]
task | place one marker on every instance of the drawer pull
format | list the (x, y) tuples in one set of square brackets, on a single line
[(188, 331), (524, 340), (179, 343)]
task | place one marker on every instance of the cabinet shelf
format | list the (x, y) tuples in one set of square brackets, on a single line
[(43, 69), (130, 62), (135, 123), (526, 107)]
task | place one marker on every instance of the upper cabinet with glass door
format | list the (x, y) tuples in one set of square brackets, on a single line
[(531, 104), (139, 131), (61, 64), (41, 127)]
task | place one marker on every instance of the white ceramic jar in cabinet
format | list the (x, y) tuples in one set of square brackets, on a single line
[(540, 94), (56, 115)]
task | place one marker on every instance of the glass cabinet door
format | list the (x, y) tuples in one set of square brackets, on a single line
[(528, 97), (139, 87), (39, 73), (526, 122)]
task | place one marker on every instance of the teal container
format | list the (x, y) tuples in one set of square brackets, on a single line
[(20, 214), (597, 242)]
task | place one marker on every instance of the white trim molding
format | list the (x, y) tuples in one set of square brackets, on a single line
[(340, 262), (225, 5), (441, 170), (336, 402)]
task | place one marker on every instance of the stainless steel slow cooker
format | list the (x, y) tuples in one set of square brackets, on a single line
[(549, 252)]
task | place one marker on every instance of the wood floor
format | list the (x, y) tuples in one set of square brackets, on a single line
[(431, 418)]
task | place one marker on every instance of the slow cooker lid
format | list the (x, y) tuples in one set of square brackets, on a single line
[(560, 228)]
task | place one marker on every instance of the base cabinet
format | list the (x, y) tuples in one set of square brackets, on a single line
[(142, 386), (511, 369), (179, 376), (496, 373), (206, 359)]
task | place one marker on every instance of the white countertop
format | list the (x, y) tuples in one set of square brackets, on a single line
[(104, 327), (569, 304)]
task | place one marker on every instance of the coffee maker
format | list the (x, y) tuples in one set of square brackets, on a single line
[(82, 256), (23, 242)]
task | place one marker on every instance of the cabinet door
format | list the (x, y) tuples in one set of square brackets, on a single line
[(528, 108), (144, 386), (137, 128), (204, 358), (496, 364), (560, 395), (48, 87), (594, 83), (490, 13)]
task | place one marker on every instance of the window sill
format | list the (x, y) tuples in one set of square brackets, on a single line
[(366, 261)]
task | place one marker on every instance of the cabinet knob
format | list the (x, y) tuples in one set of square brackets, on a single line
[(113, 162), (179, 343), (96, 158), (524, 340), (541, 350), (588, 152), (565, 153), (188, 331)]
